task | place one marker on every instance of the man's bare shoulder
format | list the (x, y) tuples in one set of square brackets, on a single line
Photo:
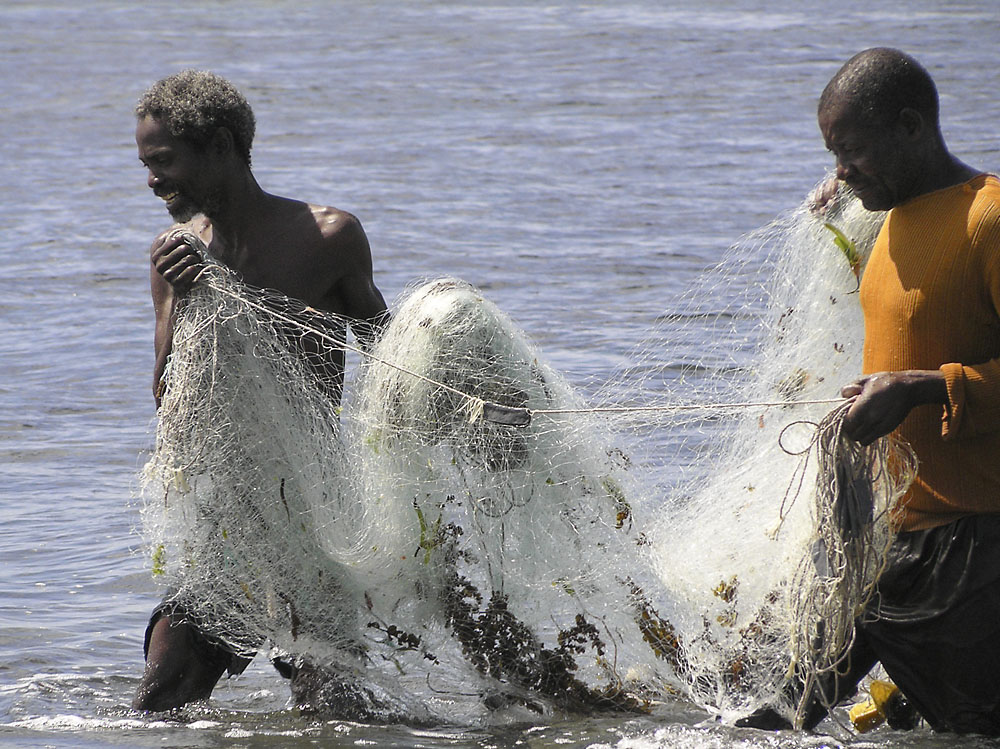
[(340, 229), (315, 226), (340, 240), (347, 253), (199, 226)]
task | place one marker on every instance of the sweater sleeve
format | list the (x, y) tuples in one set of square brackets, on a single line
[(973, 406), (973, 399)]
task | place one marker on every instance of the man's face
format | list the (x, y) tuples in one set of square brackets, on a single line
[(178, 172), (874, 160)]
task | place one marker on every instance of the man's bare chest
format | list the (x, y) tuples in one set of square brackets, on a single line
[(301, 268), (292, 272)]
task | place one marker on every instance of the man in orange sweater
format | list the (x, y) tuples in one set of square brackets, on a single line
[(930, 296)]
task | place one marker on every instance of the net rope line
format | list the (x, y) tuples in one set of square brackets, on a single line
[(478, 405), (688, 407), (480, 408)]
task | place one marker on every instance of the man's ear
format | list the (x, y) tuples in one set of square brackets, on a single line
[(222, 141), (912, 123)]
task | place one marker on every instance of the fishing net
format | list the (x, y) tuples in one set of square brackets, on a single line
[(746, 542), (466, 536), (408, 545)]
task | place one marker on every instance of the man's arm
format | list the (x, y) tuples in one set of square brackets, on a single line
[(355, 287), (163, 307), (369, 313), (173, 267)]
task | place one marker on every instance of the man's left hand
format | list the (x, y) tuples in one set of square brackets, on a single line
[(881, 401)]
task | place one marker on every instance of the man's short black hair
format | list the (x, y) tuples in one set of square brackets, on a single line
[(880, 83)]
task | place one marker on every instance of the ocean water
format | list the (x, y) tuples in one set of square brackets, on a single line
[(583, 164)]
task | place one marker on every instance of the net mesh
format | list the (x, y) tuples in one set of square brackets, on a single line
[(468, 537)]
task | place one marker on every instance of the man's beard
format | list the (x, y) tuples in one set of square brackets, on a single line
[(186, 208), (183, 211)]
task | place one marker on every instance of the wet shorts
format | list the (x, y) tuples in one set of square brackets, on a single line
[(935, 623)]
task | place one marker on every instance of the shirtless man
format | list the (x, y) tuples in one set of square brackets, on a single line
[(194, 133)]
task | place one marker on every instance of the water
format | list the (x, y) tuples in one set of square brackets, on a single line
[(581, 163)]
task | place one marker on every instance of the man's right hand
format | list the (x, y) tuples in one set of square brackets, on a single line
[(177, 261), (824, 197)]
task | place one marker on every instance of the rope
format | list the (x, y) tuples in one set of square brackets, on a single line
[(478, 407), (679, 407), (856, 488)]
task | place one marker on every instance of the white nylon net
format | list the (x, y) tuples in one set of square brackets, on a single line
[(469, 537)]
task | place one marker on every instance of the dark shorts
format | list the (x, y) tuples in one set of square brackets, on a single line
[(211, 649), (935, 623)]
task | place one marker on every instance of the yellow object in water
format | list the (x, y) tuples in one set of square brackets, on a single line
[(870, 714), (882, 692), (865, 716)]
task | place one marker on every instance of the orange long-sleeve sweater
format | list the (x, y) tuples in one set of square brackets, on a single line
[(931, 300)]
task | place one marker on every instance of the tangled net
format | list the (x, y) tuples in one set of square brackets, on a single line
[(857, 488), (467, 538), (406, 542)]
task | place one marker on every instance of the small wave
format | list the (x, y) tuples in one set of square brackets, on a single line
[(81, 723)]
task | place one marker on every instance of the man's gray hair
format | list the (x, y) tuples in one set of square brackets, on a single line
[(194, 104)]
